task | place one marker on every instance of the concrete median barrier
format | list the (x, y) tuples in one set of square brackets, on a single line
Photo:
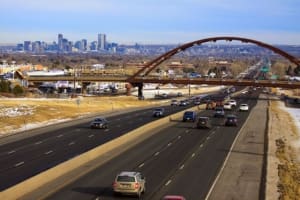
[(119, 145)]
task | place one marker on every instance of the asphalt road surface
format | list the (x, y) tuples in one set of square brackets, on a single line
[(180, 159)]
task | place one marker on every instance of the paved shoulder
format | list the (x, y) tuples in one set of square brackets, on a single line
[(241, 175)]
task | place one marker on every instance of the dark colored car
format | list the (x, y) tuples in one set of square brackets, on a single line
[(219, 112), (183, 103), (203, 122), (99, 122), (189, 116), (158, 112), (231, 120)]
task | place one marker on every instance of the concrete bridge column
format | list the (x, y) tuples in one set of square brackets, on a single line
[(140, 89)]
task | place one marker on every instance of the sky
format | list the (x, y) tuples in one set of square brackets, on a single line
[(150, 21)]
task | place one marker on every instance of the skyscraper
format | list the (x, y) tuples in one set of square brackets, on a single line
[(101, 41), (60, 42)]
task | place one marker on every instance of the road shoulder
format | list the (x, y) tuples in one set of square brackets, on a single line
[(241, 175)]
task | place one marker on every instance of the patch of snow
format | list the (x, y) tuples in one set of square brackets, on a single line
[(295, 114)]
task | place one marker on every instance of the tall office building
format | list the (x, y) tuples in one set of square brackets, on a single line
[(101, 41), (27, 46), (60, 42)]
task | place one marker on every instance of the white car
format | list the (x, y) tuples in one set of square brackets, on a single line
[(232, 102), (227, 106), (244, 107)]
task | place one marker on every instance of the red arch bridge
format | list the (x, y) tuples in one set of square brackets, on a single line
[(141, 76)]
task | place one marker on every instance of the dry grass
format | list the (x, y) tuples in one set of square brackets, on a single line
[(289, 165), (46, 110)]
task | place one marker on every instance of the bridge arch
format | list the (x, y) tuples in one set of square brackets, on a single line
[(155, 62)]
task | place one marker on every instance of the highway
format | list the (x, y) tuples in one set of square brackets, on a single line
[(180, 159), (22, 159)]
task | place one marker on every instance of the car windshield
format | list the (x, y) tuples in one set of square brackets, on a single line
[(231, 117), (158, 109), (99, 120), (188, 113), (126, 179)]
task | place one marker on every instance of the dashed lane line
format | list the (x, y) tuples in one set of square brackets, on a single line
[(19, 164), (48, 152), (11, 152)]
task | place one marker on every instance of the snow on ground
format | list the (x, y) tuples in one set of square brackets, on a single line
[(295, 114)]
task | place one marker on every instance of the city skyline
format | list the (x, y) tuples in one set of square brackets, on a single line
[(150, 22)]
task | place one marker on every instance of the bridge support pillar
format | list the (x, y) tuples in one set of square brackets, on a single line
[(140, 90)]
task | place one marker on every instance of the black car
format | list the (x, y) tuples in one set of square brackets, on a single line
[(203, 122), (99, 122), (231, 120), (158, 112)]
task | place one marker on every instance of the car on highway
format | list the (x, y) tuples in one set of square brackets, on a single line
[(129, 183), (173, 197), (203, 122), (227, 106), (231, 120), (158, 112), (219, 112), (183, 103), (232, 102), (244, 107), (99, 122), (189, 116), (174, 102)]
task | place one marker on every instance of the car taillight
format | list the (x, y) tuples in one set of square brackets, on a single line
[(114, 184), (136, 185)]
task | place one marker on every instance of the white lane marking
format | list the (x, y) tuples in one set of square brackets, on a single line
[(48, 152), (179, 136), (71, 143), (119, 126), (201, 145), (193, 155), (90, 136), (39, 142), (167, 183), (181, 167), (213, 132), (59, 136), (187, 131), (12, 151), (19, 164), (170, 144), (156, 154), (141, 165), (208, 138), (106, 130)]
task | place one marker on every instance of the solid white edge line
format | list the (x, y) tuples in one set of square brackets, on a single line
[(91, 136), (226, 160), (60, 135)]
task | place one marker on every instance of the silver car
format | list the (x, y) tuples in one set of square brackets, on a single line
[(130, 183)]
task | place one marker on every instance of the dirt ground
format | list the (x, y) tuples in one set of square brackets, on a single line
[(16, 114), (283, 180)]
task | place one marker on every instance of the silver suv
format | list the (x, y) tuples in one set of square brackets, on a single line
[(131, 183)]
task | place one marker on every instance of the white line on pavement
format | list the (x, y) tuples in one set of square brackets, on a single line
[(19, 164)]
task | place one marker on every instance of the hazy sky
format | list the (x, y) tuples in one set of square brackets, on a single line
[(150, 21)]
